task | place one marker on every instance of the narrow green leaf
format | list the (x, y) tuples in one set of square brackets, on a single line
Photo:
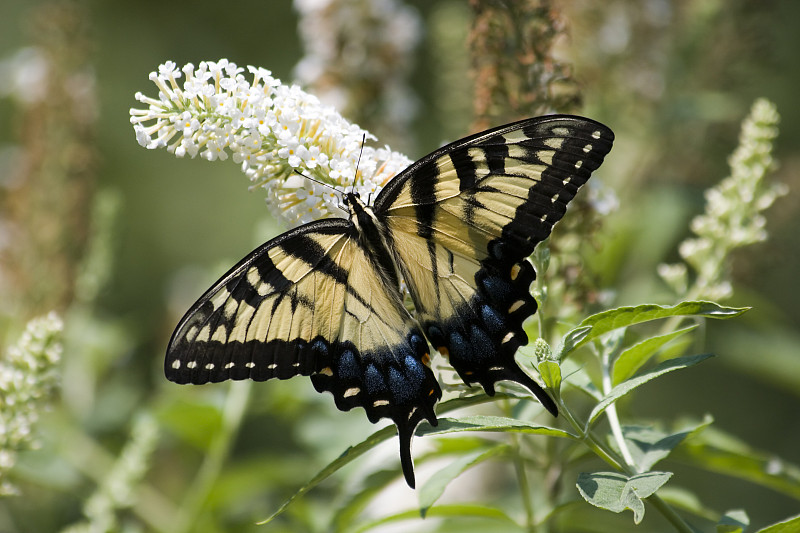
[(790, 525), (627, 316), (572, 339), (616, 492), (634, 357), (681, 498), (733, 521), (578, 377), (434, 487), (346, 515), (460, 511), (490, 423), (717, 451), (649, 445), (346, 457), (551, 375), (627, 386)]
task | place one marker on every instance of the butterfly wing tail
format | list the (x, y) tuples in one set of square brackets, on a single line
[(405, 433)]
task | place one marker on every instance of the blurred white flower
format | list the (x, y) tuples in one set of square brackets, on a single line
[(28, 377), (733, 216), (274, 131)]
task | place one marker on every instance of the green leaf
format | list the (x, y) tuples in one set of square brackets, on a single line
[(551, 375), (717, 451), (627, 386), (490, 423), (790, 525), (616, 492), (572, 339), (349, 454), (649, 445), (434, 487), (634, 357), (459, 511), (733, 521), (578, 377), (349, 510), (681, 498), (621, 317)]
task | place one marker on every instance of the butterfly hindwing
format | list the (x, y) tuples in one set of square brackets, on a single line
[(463, 221)]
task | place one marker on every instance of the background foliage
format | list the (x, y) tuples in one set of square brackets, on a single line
[(144, 234)]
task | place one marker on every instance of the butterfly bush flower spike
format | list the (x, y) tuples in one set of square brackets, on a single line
[(733, 217), (278, 133), (28, 378)]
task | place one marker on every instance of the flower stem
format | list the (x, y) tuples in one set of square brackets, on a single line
[(233, 413)]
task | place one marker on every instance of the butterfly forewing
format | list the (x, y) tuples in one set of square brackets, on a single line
[(313, 302)]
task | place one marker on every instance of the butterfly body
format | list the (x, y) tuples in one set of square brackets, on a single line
[(325, 299)]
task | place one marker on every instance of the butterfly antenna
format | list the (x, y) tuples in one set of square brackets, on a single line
[(358, 162)]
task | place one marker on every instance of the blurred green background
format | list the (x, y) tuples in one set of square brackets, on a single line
[(673, 79)]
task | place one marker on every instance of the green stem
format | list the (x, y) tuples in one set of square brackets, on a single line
[(524, 484), (611, 413), (232, 415)]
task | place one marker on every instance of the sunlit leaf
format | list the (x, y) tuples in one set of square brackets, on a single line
[(637, 355), (790, 525), (492, 424), (616, 492), (649, 445), (621, 317), (627, 386), (460, 511), (734, 521), (551, 374), (571, 340), (435, 486)]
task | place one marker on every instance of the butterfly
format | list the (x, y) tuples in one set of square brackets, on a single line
[(456, 227)]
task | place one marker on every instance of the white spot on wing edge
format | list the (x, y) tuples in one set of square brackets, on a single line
[(352, 391), (191, 364), (596, 134), (210, 366), (587, 148), (176, 364)]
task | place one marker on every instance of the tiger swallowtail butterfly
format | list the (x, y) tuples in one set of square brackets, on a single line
[(325, 299)]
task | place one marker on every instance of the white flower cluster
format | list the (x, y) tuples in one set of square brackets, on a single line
[(378, 38), (117, 491), (279, 134), (28, 378), (733, 216)]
